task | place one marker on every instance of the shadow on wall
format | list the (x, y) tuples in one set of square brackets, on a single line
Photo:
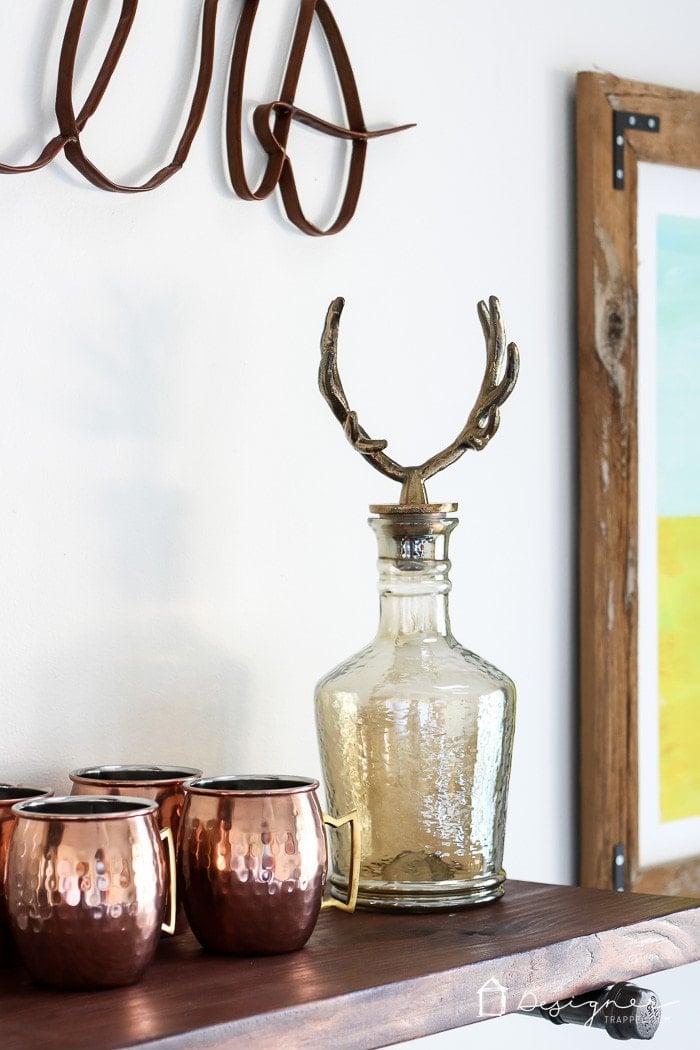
[(159, 694), (113, 665)]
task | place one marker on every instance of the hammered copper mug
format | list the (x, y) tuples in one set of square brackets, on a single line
[(161, 784), (86, 889), (253, 860), (9, 794)]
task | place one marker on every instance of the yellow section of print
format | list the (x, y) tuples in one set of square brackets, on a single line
[(679, 667)]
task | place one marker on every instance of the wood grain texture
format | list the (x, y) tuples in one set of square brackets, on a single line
[(369, 979), (607, 312)]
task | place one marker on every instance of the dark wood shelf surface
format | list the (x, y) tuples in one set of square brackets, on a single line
[(369, 979)]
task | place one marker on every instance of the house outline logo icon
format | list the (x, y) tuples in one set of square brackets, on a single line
[(492, 998)]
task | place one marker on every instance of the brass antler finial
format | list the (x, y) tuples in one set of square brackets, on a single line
[(480, 427)]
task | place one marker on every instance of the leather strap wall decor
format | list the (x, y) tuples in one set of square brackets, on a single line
[(64, 94), (272, 121), (57, 143)]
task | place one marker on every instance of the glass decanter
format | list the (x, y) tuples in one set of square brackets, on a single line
[(415, 732)]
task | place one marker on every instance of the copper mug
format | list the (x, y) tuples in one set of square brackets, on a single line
[(253, 860), (9, 794), (161, 784), (86, 889)]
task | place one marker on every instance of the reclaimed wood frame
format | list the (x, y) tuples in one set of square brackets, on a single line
[(608, 520)]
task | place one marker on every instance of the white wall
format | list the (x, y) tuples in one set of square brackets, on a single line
[(184, 548)]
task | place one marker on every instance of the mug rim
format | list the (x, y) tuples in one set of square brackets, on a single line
[(84, 807), (250, 785), (22, 792), (114, 776)]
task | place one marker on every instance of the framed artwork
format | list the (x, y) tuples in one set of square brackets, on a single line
[(638, 170)]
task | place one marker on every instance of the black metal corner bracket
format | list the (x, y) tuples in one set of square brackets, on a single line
[(622, 121)]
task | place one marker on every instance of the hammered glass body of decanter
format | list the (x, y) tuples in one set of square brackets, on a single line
[(415, 732)]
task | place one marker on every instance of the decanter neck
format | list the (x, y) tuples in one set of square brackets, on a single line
[(413, 573)]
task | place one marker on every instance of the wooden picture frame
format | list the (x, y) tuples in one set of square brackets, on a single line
[(664, 129)]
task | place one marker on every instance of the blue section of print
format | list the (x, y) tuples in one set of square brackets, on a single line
[(678, 365)]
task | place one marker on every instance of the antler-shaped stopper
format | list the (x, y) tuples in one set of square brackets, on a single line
[(482, 424)]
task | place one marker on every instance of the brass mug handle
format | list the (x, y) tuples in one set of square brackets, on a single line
[(353, 820), (166, 835)]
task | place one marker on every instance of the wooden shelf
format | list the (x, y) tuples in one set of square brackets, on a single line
[(369, 979)]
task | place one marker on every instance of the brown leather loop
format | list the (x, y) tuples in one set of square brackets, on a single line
[(94, 98), (234, 115), (272, 122), (71, 126)]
